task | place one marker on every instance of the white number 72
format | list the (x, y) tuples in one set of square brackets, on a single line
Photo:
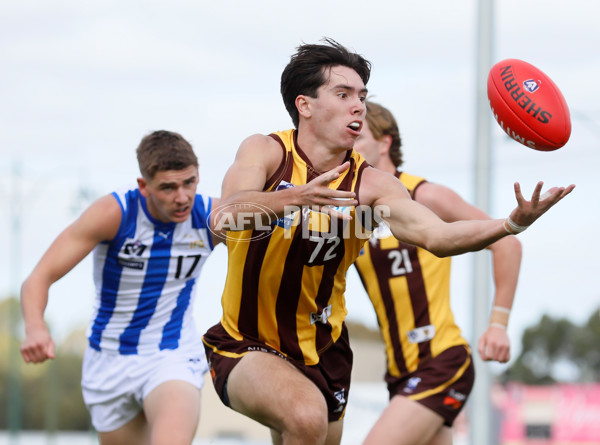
[(333, 242)]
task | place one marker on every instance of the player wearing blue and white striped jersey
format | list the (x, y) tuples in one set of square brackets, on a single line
[(144, 365), (153, 268)]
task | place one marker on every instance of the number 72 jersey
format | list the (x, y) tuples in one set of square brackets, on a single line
[(145, 279), (286, 289)]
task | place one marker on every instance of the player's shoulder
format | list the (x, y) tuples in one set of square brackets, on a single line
[(372, 174), (260, 148), (259, 141), (102, 218), (126, 196), (108, 204), (376, 183)]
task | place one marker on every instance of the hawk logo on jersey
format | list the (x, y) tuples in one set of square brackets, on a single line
[(322, 317)]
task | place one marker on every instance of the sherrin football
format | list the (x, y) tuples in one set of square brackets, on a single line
[(528, 106)]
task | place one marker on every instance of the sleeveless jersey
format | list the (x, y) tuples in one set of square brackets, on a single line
[(285, 286), (146, 278), (410, 291)]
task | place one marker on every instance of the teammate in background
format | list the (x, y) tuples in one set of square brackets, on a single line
[(143, 368), (430, 373), (280, 354)]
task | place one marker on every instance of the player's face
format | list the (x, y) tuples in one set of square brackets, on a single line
[(170, 194), (369, 147), (338, 111)]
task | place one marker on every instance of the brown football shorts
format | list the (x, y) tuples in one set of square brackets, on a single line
[(331, 375), (442, 383)]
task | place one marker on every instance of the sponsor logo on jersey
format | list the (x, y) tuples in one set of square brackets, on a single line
[(132, 264), (198, 244), (322, 317), (421, 334), (454, 399), (412, 384), (344, 210)]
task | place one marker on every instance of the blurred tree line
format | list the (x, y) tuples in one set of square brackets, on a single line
[(49, 394), (557, 350)]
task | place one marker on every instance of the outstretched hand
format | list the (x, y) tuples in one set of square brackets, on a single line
[(528, 211), (317, 193)]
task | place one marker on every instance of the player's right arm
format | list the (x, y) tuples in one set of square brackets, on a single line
[(256, 161), (99, 222)]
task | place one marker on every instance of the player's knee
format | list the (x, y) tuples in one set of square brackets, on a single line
[(310, 423)]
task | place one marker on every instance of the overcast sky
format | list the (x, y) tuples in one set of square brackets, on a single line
[(82, 82)]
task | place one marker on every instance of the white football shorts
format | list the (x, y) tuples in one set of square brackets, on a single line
[(114, 386)]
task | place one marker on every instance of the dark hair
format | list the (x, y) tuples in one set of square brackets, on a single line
[(381, 122), (306, 71), (164, 150)]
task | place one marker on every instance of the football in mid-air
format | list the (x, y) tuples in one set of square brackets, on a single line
[(528, 106)]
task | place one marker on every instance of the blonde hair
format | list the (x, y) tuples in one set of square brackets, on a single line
[(381, 122)]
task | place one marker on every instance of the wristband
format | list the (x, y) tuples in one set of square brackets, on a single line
[(513, 228), (498, 325), (501, 309)]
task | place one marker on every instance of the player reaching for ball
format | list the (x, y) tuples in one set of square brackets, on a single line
[(144, 365), (280, 354), (429, 369)]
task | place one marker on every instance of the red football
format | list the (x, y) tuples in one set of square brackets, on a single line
[(528, 105)]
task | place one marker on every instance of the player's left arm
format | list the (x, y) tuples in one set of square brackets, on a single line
[(415, 224), (494, 344)]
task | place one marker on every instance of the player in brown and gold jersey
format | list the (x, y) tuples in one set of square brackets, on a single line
[(430, 373), (280, 353)]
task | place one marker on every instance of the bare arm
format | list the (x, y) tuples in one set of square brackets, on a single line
[(414, 223), (494, 344), (98, 223), (256, 161)]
